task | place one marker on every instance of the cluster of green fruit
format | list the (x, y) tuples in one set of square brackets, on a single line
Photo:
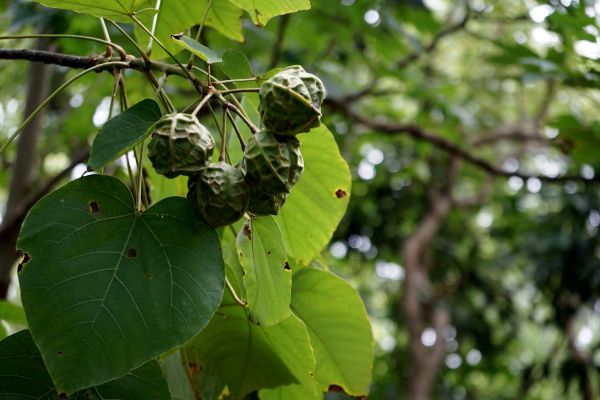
[(290, 103)]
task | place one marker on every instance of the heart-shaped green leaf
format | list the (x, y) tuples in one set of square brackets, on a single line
[(249, 357), (339, 329), (319, 200), (107, 288), (23, 376), (122, 132), (198, 49), (267, 274)]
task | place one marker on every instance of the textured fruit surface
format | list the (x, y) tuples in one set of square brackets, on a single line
[(264, 204), (290, 102), (180, 145), (220, 193), (272, 164)]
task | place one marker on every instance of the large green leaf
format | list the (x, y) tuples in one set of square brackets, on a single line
[(339, 329), (177, 16), (261, 11), (248, 357), (318, 201), (122, 132), (267, 274), (116, 10), (23, 376), (108, 288)]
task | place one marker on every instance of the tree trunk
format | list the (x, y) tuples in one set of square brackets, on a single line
[(416, 301), (25, 168)]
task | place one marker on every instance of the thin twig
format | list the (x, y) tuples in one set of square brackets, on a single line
[(51, 97), (204, 17), (236, 129), (235, 296)]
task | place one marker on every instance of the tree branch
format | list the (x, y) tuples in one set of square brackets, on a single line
[(85, 62), (417, 297), (416, 54), (418, 133), (278, 46)]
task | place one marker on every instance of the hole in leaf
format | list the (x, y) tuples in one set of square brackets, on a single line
[(269, 252), (62, 396), (26, 258), (131, 253), (60, 353), (94, 207), (341, 193), (336, 389), (286, 266)]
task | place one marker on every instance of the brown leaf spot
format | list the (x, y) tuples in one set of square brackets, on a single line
[(286, 266), (131, 253), (94, 207), (148, 277), (341, 193), (177, 36), (194, 367), (248, 231), (63, 396), (336, 389)]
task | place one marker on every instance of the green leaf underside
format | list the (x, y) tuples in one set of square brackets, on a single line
[(12, 313), (268, 277), (339, 330), (322, 195), (107, 288), (248, 357), (261, 11), (115, 10), (122, 132), (177, 377), (197, 49), (23, 376)]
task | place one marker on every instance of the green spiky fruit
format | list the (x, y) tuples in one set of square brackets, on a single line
[(220, 194), (264, 204), (180, 145), (290, 101), (271, 164)]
